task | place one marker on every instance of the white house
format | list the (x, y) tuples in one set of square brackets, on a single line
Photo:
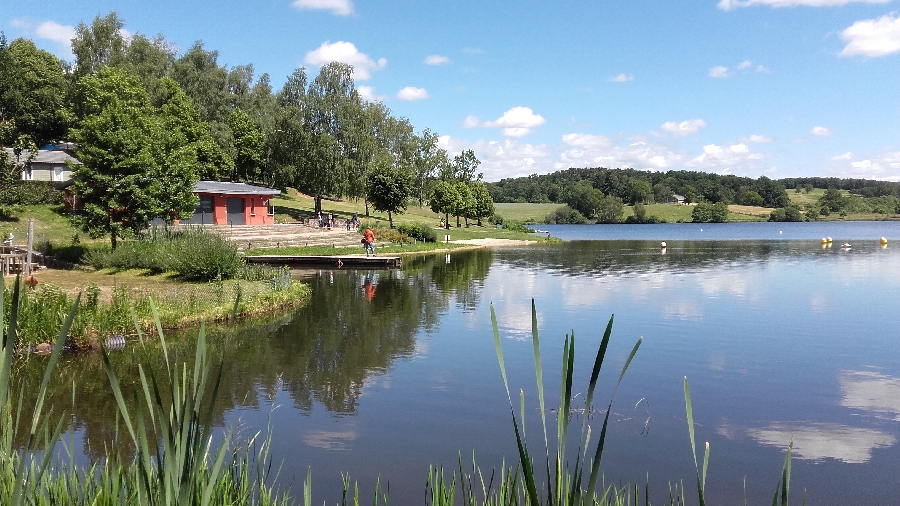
[(48, 165)]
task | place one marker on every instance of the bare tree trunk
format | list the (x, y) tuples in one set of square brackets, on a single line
[(367, 207), (390, 220)]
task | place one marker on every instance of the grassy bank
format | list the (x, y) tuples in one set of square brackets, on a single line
[(108, 296)]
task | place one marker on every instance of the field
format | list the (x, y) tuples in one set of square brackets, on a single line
[(533, 213)]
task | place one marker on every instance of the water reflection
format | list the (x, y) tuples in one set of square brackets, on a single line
[(817, 441), (871, 391)]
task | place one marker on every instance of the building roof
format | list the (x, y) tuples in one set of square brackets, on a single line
[(232, 188), (54, 157)]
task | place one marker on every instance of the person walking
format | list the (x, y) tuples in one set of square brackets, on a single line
[(368, 239)]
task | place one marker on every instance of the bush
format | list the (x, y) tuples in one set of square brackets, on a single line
[(29, 193), (706, 212), (789, 213), (496, 219), (419, 232), (391, 236), (565, 215), (516, 226)]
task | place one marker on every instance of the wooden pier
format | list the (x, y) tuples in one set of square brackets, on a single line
[(334, 261)]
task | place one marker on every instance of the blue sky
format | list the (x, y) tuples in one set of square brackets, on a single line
[(748, 87)]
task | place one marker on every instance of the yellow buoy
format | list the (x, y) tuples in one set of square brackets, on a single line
[(824, 241), (883, 241), (829, 239)]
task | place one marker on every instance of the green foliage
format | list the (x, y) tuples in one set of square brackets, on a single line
[(565, 215), (192, 254), (388, 188), (135, 167), (29, 193), (706, 212), (445, 198), (752, 198), (516, 226), (585, 199), (832, 200), (639, 191), (789, 213), (482, 205), (611, 210), (33, 91), (418, 231), (811, 213), (248, 145)]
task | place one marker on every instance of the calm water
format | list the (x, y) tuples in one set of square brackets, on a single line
[(385, 373)]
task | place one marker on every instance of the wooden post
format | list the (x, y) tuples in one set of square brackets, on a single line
[(30, 246)]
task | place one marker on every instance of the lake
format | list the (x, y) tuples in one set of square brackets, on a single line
[(387, 372)]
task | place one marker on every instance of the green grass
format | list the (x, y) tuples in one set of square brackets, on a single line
[(525, 212), (49, 224)]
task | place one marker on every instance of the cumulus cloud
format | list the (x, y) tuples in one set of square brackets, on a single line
[(727, 157), (744, 65), (509, 158), (885, 167), (719, 72), (517, 122), (345, 52), (622, 78), (727, 5), (412, 93), (337, 7), (471, 122), (586, 150), (688, 127), (368, 94), (872, 37), (436, 59), (53, 31), (820, 131), (56, 32)]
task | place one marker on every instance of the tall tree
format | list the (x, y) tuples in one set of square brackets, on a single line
[(427, 160), (135, 167), (444, 199), (33, 91), (248, 144), (98, 45), (482, 203)]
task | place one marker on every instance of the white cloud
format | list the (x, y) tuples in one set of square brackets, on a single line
[(337, 7), (56, 32), (688, 127), (719, 72), (412, 93), (368, 94), (872, 37), (744, 65), (728, 157), (471, 122), (345, 52), (727, 5), (762, 69), (436, 59), (817, 441), (820, 131), (585, 150), (759, 139), (509, 158), (885, 167), (622, 78), (517, 122)]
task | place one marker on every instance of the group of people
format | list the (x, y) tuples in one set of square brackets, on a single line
[(329, 221)]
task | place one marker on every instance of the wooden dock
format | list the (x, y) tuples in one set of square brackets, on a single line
[(338, 261)]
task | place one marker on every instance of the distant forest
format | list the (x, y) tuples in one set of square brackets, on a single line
[(635, 186)]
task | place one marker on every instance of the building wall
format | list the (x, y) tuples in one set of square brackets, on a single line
[(45, 172), (255, 212)]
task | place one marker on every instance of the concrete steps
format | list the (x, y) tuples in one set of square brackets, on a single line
[(286, 235)]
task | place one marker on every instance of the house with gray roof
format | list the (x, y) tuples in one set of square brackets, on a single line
[(47, 165), (224, 203)]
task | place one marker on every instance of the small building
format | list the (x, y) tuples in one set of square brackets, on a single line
[(47, 165), (675, 199), (223, 203)]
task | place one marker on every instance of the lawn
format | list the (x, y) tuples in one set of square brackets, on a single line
[(531, 213), (49, 224)]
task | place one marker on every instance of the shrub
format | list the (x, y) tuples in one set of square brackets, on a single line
[(496, 219), (516, 226), (706, 212), (419, 232), (393, 236), (29, 193), (565, 215)]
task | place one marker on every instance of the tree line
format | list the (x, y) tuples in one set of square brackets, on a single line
[(147, 123)]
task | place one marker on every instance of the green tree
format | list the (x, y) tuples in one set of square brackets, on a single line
[(134, 168), (427, 161), (611, 210), (707, 212), (585, 199), (772, 192), (482, 203), (752, 198), (249, 147), (833, 200), (98, 45), (639, 191), (33, 91), (444, 199), (388, 188)]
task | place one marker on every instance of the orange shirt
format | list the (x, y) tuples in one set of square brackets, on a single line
[(369, 235)]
